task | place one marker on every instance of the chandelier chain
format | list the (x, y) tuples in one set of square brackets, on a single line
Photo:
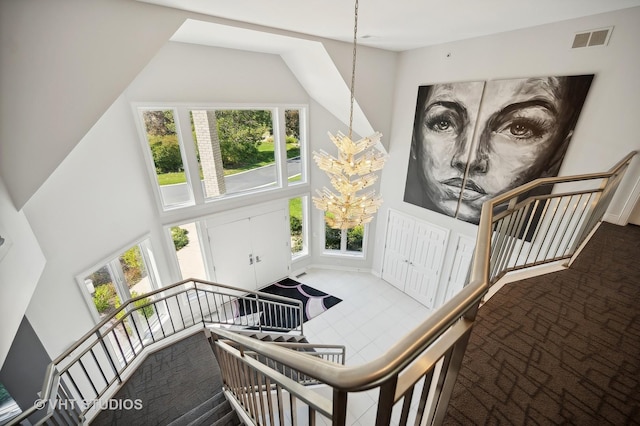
[(353, 69), (352, 171)]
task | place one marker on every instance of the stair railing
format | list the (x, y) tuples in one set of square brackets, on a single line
[(78, 382), (414, 379)]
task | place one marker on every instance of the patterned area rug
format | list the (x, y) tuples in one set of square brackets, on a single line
[(314, 301)]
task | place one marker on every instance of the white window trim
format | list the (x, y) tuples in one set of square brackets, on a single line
[(306, 212), (150, 264), (187, 150), (343, 252)]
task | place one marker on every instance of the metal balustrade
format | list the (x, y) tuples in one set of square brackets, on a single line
[(90, 370), (265, 382), (414, 379)]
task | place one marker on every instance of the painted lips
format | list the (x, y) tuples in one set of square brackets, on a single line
[(471, 190)]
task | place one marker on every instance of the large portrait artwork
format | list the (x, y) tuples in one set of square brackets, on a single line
[(475, 140)]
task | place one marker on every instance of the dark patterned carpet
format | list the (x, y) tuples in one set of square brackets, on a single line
[(562, 348), (314, 302)]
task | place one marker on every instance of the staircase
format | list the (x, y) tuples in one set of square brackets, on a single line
[(216, 411), (274, 337), (413, 379)]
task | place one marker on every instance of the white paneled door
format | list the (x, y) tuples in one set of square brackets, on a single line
[(413, 256), (270, 247), (460, 266), (252, 252), (425, 264), (231, 251), (397, 249)]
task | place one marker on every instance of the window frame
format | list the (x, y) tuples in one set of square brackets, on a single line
[(181, 114), (203, 247), (146, 252), (306, 214), (343, 252)]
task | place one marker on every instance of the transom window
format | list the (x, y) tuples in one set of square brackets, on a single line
[(202, 154)]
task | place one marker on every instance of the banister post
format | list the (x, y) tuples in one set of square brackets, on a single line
[(106, 350), (386, 399), (339, 407)]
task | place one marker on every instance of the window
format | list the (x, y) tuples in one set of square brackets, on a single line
[(186, 242), (344, 241), (107, 286), (8, 406), (163, 141), (121, 278), (293, 139), (202, 154), (298, 213)]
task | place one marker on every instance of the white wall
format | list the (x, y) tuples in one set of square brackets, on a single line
[(182, 72), (100, 199), (97, 203), (21, 263), (606, 131), (43, 78)]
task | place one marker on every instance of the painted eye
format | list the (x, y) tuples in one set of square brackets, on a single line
[(523, 129), (442, 119), (442, 125), (519, 129)]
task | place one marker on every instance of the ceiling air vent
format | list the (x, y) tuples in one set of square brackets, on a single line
[(599, 37)]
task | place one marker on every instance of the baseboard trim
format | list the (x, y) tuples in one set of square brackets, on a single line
[(613, 218), (523, 274), (339, 268)]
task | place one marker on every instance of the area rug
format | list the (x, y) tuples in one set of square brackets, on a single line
[(314, 302)]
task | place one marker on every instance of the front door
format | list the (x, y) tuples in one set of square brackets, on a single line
[(232, 257), (271, 251), (252, 252)]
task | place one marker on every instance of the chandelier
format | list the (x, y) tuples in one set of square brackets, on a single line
[(351, 172)]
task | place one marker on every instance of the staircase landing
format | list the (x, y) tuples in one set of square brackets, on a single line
[(169, 383), (559, 348)]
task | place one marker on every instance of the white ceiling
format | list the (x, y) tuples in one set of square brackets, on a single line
[(399, 24)]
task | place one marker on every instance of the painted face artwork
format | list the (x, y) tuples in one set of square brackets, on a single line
[(476, 140), (446, 128)]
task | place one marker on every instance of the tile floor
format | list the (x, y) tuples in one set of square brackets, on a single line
[(372, 316)]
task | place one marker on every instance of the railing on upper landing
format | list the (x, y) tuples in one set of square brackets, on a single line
[(413, 380)]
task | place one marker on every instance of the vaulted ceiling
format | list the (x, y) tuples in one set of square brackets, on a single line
[(399, 24)]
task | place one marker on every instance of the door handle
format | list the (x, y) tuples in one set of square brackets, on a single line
[(250, 259), (258, 259)]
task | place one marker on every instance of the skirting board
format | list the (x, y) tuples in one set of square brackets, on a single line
[(524, 274)]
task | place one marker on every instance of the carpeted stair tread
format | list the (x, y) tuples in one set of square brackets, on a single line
[(221, 415), (273, 336), (206, 413), (229, 419)]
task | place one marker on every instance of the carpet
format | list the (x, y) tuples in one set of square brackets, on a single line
[(560, 348), (314, 302)]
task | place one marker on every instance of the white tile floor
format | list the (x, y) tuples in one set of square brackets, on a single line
[(372, 316)]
